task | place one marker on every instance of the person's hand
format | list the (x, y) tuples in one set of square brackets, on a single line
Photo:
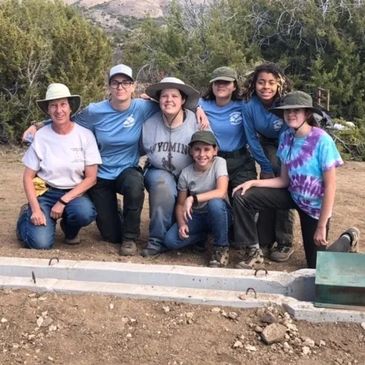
[(57, 210), (188, 208), (320, 237), (184, 232), (144, 96), (202, 118), (31, 131), (243, 187), (266, 175), (38, 218)]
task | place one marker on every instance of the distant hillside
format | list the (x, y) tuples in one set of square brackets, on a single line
[(120, 14)]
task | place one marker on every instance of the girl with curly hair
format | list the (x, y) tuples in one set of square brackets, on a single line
[(262, 90)]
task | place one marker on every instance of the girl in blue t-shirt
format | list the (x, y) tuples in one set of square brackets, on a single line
[(223, 106), (262, 90), (307, 183)]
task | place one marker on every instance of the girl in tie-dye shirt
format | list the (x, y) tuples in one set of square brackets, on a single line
[(307, 183)]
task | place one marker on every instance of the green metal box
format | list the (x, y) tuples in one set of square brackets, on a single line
[(340, 280)]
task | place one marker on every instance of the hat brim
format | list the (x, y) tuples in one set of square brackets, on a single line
[(74, 100), (192, 95), (223, 78), (121, 73), (279, 110)]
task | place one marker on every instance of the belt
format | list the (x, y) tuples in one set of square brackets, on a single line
[(233, 154)]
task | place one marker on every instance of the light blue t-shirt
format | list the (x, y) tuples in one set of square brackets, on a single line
[(307, 159), (117, 133), (226, 123), (259, 120)]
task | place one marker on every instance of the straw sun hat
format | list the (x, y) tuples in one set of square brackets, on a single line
[(59, 91)]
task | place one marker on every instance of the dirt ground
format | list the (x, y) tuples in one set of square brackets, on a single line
[(59, 329)]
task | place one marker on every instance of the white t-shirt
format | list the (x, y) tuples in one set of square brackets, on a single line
[(60, 159)]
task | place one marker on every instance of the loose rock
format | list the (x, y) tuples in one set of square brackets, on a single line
[(273, 333)]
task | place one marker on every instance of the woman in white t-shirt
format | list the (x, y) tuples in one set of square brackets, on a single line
[(60, 166)]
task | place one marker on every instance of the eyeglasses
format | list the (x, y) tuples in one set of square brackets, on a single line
[(125, 83)]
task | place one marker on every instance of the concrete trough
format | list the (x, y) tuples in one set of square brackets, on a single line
[(197, 285)]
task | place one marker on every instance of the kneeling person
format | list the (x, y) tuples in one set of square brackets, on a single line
[(202, 203), (64, 157)]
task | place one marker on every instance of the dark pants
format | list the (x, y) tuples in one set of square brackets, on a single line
[(274, 225), (104, 196), (240, 166), (256, 200)]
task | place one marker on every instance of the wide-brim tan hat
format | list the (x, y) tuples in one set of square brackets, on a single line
[(192, 95), (59, 91), (296, 100)]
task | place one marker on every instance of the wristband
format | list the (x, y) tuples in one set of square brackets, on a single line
[(195, 199), (60, 200)]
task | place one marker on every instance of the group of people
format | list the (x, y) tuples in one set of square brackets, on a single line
[(200, 172)]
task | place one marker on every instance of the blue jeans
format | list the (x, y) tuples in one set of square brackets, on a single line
[(215, 218), (161, 186), (78, 213)]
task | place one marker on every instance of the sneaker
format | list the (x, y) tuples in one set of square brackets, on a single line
[(69, 241), (72, 241), (153, 249), (281, 253), (128, 248), (252, 257), (220, 257), (354, 234)]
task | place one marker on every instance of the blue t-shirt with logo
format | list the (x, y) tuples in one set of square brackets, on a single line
[(307, 159), (117, 133), (226, 123), (260, 121)]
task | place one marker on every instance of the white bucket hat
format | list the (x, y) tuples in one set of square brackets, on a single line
[(59, 91), (192, 95), (121, 70)]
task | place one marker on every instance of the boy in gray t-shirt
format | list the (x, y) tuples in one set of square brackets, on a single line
[(202, 203)]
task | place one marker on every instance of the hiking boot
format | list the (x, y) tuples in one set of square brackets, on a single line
[(252, 257), (354, 234), (69, 241), (153, 249), (198, 247), (220, 257), (281, 253), (128, 248), (22, 211)]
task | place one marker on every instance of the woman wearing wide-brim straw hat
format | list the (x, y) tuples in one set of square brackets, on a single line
[(64, 157), (307, 182), (165, 139)]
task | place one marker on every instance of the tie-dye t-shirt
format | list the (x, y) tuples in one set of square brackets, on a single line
[(307, 158)]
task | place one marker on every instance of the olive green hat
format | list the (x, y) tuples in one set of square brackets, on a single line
[(204, 137), (224, 73), (295, 100)]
